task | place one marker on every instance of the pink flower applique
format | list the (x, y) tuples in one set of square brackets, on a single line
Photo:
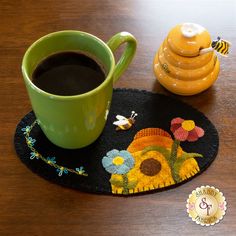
[(186, 130)]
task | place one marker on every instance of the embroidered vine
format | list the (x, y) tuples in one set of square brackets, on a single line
[(48, 160)]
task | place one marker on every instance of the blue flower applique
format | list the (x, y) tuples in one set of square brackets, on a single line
[(118, 162)]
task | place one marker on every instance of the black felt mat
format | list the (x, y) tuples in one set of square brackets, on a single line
[(154, 110)]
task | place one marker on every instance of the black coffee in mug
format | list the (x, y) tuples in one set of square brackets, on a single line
[(68, 73)]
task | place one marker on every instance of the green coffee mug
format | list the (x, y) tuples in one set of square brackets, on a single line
[(76, 121)]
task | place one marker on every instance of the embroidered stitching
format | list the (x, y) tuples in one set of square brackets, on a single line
[(49, 160)]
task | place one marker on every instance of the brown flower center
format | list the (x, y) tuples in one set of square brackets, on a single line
[(150, 167)]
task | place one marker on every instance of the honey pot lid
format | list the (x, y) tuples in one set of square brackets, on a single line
[(188, 39)]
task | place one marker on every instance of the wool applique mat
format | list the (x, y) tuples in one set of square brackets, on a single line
[(169, 143)]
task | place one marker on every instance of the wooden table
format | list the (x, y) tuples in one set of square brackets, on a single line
[(29, 205)]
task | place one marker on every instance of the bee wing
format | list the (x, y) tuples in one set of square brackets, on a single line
[(119, 117), (120, 122)]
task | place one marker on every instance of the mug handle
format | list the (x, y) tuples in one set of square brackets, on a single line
[(128, 54)]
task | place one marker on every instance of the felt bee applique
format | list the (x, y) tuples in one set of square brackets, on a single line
[(124, 123)]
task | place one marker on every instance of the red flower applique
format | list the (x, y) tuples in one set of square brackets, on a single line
[(186, 130)]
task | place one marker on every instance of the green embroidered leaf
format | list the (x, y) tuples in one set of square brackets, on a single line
[(116, 182), (131, 184), (165, 152)]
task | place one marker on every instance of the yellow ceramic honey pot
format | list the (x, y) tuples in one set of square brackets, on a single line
[(186, 63)]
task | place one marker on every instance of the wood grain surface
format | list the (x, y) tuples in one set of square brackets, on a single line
[(29, 205)]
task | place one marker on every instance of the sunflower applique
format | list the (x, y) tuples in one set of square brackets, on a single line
[(153, 159)]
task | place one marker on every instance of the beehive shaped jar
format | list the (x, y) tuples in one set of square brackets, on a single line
[(178, 65)]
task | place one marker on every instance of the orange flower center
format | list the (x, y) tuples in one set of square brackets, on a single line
[(188, 125)]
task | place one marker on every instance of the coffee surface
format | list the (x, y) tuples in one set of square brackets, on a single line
[(68, 73)]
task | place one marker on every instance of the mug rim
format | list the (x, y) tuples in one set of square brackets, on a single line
[(68, 97)]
